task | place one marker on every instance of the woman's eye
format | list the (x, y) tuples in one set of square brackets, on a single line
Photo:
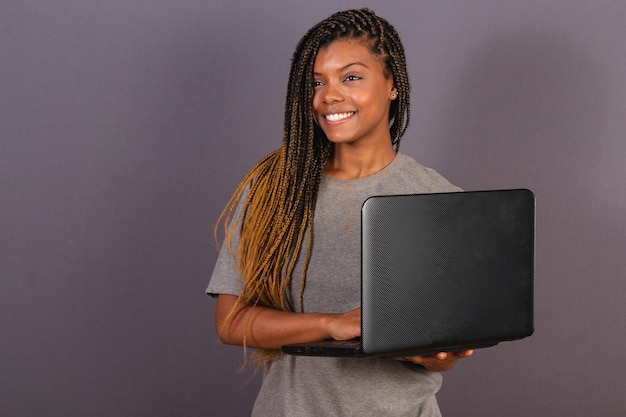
[(317, 84), (352, 78)]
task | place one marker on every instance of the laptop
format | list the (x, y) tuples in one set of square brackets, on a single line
[(440, 273)]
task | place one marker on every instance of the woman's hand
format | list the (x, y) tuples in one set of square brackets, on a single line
[(345, 326), (442, 361)]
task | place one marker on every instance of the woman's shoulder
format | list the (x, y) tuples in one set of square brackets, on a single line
[(423, 178)]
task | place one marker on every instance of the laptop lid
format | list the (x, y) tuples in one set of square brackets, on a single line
[(443, 272)]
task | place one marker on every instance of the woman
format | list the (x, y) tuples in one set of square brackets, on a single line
[(290, 269)]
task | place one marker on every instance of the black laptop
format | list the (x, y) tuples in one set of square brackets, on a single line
[(442, 272)]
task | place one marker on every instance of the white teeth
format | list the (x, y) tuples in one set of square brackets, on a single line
[(335, 117)]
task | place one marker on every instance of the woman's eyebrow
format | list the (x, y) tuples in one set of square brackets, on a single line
[(345, 67)]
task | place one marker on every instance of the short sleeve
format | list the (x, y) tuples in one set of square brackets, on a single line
[(226, 278)]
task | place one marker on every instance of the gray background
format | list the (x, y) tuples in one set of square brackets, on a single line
[(126, 124)]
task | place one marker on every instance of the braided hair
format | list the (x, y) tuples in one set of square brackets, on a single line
[(276, 199)]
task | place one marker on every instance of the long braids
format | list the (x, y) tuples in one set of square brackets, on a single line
[(281, 189)]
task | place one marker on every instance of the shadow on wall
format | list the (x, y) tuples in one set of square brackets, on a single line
[(531, 110)]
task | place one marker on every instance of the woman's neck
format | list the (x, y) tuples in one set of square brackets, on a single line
[(350, 163)]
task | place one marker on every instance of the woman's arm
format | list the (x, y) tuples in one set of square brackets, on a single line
[(267, 328)]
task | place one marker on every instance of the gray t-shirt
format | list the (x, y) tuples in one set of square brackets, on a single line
[(319, 386)]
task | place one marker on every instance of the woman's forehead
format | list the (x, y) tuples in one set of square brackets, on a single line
[(343, 52)]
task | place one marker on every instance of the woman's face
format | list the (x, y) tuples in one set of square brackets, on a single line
[(352, 96)]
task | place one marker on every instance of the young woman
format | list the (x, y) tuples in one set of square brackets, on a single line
[(290, 269)]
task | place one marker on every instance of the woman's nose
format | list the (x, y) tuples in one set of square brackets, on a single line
[(332, 94)]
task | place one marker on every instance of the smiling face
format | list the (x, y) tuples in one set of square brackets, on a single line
[(352, 94)]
